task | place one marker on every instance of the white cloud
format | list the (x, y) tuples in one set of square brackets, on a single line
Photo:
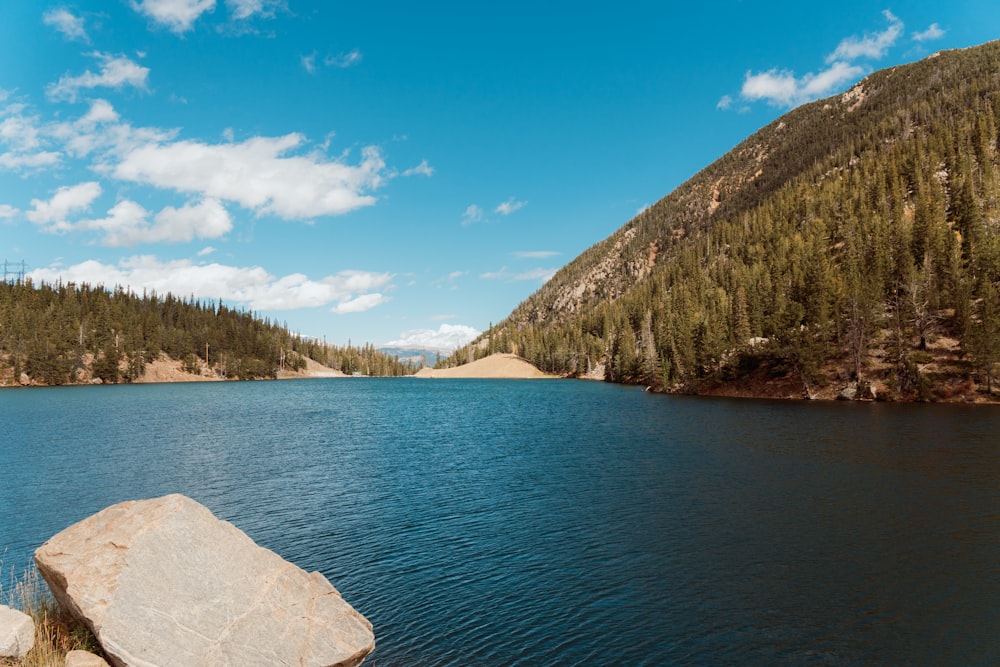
[(251, 286), (65, 22), (177, 15), (509, 206), (54, 213), (535, 254), (359, 304), (725, 102), (258, 175), (783, 88), (207, 250), (446, 337), (309, 62), (472, 215), (116, 72), (8, 211), (871, 45), (933, 32), (507, 276), (19, 162), (100, 111), (127, 223), (245, 9), (343, 60), (422, 169)]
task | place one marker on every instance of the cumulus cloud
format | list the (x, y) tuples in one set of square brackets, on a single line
[(473, 214), (65, 22), (446, 337), (258, 174), (250, 286), (873, 45), (783, 88), (116, 72), (509, 206), (53, 215), (176, 15), (7, 211), (933, 32), (128, 224)]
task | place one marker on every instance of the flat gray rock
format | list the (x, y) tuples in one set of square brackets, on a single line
[(17, 633), (164, 583)]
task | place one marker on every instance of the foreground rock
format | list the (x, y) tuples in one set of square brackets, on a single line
[(84, 659), (17, 633), (163, 582)]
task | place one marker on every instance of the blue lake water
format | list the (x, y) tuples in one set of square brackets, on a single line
[(494, 522)]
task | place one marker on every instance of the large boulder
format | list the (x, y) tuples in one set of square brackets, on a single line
[(163, 582), (17, 633)]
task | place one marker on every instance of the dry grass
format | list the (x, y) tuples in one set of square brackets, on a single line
[(56, 633)]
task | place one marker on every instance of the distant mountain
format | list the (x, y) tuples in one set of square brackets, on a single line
[(852, 246), (419, 356)]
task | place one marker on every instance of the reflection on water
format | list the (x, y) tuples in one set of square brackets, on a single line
[(514, 522)]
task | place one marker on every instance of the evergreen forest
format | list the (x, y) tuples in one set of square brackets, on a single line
[(853, 244), (67, 333)]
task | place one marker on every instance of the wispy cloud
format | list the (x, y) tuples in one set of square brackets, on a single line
[(308, 62), (535, 254), (540, 274), (872, 45), (509, 206), (343, 60), (472, 215), (116, 72), (242, 10), (422, 169), (177, 16), (933, 32), (64, 21), (7, 211), (344, 292)]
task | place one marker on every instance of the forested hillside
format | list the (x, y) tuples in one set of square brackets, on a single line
[(853, 243), (68, 333)]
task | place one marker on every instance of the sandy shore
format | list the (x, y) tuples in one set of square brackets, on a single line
[(507, 366)]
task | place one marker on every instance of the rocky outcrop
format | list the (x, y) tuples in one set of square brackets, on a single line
[(164, 582), (17, 633)]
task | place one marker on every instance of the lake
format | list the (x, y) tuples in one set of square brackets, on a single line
[(505, 522)]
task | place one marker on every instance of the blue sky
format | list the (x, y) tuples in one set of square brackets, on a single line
[(393, 172)]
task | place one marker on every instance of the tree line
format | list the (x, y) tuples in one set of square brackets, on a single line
[(57, 334)]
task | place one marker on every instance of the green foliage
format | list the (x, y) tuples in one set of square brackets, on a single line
[(868, 221), (47, 331)]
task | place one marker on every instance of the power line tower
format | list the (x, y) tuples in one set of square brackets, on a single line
[(13, 272)]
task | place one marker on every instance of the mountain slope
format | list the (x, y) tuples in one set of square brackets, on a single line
[(854, 240)]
